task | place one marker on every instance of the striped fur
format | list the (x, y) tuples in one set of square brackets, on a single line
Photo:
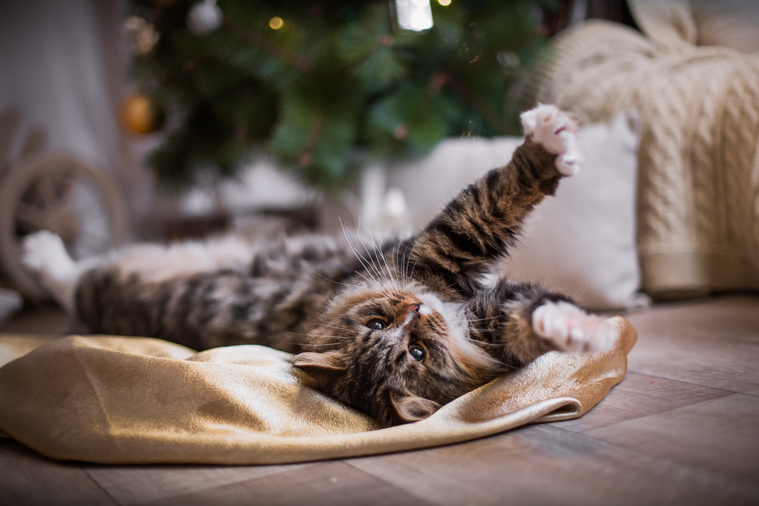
[(322, 298)]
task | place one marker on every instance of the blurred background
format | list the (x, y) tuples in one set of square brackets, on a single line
[(161, 120), (129, 120)]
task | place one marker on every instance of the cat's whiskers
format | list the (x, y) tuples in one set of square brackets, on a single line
[(474, 329), (343, 328), (401, 272), (372, 281), (349, 285), (291, 332), (376, 283), (408, 261), (393, 277), (372, 261), (349, 241), (380, 255), (335, 337), (401, 266), (497, 345), (311, 346), (484, 319)]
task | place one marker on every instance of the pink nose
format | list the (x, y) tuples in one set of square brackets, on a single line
[(414, 308)]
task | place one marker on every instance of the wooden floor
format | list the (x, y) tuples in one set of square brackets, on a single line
[(682, 428)]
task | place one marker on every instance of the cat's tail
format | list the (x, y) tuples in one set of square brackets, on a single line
[(44, 253)]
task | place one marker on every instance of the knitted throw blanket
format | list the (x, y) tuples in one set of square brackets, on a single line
[(698, 190)]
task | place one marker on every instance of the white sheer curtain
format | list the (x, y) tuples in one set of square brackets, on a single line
[(63, 68), (51, 71)]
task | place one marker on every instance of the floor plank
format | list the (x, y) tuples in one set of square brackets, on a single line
[(331, 483), (734, 317), (720, 436), (699, 358), (545, 465), (131, 485), (39, 319), (680, 429), (26, 479), (641, 395), (714, 344)]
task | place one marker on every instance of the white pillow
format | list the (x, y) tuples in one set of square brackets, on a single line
[(580, 242)]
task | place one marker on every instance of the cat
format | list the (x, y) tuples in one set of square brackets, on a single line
[(394, 328)]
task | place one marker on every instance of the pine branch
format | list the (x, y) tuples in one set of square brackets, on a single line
[(341, 79), (270, 47), (480, 105), (314, 134)]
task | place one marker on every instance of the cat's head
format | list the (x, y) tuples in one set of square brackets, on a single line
[(397, 354)]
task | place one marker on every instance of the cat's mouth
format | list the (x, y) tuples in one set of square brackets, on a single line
[(429, 304), (412, 316)]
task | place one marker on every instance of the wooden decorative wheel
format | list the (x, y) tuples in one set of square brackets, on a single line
[(59, 193)]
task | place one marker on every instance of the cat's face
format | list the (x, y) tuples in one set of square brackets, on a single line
[(397, 354)]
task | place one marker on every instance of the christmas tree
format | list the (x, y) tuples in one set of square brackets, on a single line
[(324, 85)]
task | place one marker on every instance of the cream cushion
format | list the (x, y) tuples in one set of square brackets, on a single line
[(582, 240)]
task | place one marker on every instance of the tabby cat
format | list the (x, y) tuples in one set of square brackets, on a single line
[(395, 328)]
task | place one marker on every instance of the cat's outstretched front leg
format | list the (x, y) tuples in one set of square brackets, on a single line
[(477, 227), (554, 130), (517, 322)]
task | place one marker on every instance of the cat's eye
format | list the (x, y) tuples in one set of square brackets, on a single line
[(376, 324), (417, 352)]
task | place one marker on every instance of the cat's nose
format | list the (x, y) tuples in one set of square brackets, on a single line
[(414, 307)]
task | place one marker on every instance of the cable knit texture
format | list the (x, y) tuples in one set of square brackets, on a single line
[(698, 192)]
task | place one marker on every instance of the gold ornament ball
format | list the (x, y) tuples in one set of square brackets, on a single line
[(141, 115)]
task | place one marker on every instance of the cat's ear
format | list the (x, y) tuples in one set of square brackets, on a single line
[(321, 367), (411, 408)]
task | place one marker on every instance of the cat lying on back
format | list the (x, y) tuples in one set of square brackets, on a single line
[(395, 329)]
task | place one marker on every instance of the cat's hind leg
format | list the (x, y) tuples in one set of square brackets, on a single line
[(517, 322), (44, 253)]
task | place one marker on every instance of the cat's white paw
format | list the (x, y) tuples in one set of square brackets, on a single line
[(572, 329), (44, 252), (555, 130)]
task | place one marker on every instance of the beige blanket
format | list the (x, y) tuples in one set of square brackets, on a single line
[(129, 400), (698, 194)]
